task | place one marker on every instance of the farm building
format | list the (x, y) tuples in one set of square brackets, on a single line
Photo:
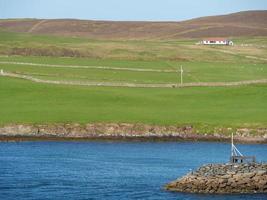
[(217, 41)]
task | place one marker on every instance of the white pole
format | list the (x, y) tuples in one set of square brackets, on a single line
[(182, 71), (234, 150), (2, 72), (232, 147)]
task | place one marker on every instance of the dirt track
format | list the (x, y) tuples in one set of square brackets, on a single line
[(135, 85), (32, 29)]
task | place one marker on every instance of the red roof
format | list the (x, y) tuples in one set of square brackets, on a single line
[(215, 39)]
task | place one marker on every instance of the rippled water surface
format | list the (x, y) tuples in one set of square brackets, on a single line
[(108, 170)]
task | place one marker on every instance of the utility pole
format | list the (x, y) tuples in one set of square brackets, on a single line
[(182, 71)]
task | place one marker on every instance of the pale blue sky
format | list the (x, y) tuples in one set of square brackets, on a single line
[(152, 10)]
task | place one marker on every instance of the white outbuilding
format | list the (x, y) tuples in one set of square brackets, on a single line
[(217, 41)]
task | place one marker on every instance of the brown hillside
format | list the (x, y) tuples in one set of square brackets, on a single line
[(249, 23), (246, 18)]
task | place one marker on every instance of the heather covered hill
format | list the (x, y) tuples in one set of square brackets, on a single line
[(248, 23), (249, 18)]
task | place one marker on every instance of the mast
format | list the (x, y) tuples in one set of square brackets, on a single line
[(234, 150), (232, 146), (236, 156)]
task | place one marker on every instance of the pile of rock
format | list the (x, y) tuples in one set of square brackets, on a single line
[(223, 179)]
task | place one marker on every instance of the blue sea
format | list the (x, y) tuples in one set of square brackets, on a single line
[(108, 170)]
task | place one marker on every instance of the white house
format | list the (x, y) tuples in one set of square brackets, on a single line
[(217, 41)]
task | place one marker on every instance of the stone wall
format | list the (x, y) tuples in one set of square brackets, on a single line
[(223, 179)]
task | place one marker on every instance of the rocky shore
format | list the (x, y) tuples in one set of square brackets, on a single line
[(223, 179), (119, 131)]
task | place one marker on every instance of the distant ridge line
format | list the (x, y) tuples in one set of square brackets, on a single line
[(246, 23)]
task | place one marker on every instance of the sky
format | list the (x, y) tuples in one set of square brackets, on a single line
[(125, 10)]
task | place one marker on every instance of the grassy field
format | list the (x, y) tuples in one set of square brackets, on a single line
[(27, 102), (193, 71), (172, 50)]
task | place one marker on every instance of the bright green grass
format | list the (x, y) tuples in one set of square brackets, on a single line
[(26, 102), (94, 75), (193, 71), (93, 62)]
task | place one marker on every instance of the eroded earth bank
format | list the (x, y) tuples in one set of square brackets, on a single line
[(127, 131)]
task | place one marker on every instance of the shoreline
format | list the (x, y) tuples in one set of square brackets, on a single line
[(124, 139), (20, 138), (125, 132)]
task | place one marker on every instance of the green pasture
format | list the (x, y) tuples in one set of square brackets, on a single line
[(194, 71), (26, 102)]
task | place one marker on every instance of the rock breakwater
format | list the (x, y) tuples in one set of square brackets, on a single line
[(223, 179)]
